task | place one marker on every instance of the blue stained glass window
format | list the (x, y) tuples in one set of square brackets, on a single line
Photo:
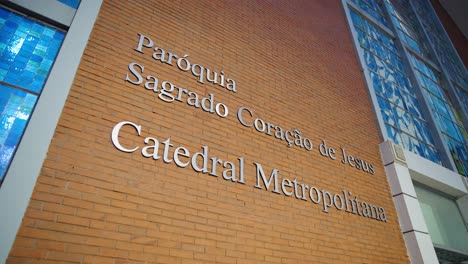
[(399, 107), (377, 83), (24, 59), (429, 84), (15, 107), (393, 94), (412, 105), (463, 97), (430, 153), (71, 3), (387, 112), (393, 134), (372, 8), (410, 41), (404, 120), (27, 51), (422, 131), (445, 116), (407, 26), (442, 45)]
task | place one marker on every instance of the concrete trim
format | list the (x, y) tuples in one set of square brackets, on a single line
[(420, 248), (22, 176), (399, 179), (410, 214), (51, 9), (435, 176), (412, 223)]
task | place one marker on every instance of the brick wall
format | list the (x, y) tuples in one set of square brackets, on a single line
[(294, 66)]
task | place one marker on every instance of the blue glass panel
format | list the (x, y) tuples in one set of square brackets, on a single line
[(440, 106), (442, 45), (27, 50), (412, 105), (372, 31), (393, 94), (404, 120), (393, 134), (424, 133), (418, 147), (404, 83), (398, 105), (414, 128), (387, 112), (389, 43), (16, 107), (457, 150), (383, 69), (462, 151), (369, 7), (451, 112), (71, 3), (23, 51), (371, 63), (450, 128), (430, 153), (426, 70), (357, 19), (396, 61), (448, 123), (431, 86), (439, 121), (362, 38), (406, 141), (405, 28), (413, 44), (375, 5), (377, 83)]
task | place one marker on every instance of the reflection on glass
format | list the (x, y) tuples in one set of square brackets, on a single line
[(27, 51), (15, 107), (399, 107), (445, 116)]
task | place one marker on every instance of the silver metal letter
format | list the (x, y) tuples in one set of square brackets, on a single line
[(115, 135)]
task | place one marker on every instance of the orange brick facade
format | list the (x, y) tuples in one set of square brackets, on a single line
[(294, 65)]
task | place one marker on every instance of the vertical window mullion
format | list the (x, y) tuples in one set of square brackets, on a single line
[(444, 73), (398, 111), (436, 132)]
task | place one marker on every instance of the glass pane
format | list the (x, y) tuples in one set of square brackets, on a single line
[(463, 97), (431, 154), (412, 105), (372, 9), (377, 83), (71, 3), (404, 120), (16, 107), (387, 112), (393, 94), (397, 101), (29, 51), (440, 106), (393, 134)]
